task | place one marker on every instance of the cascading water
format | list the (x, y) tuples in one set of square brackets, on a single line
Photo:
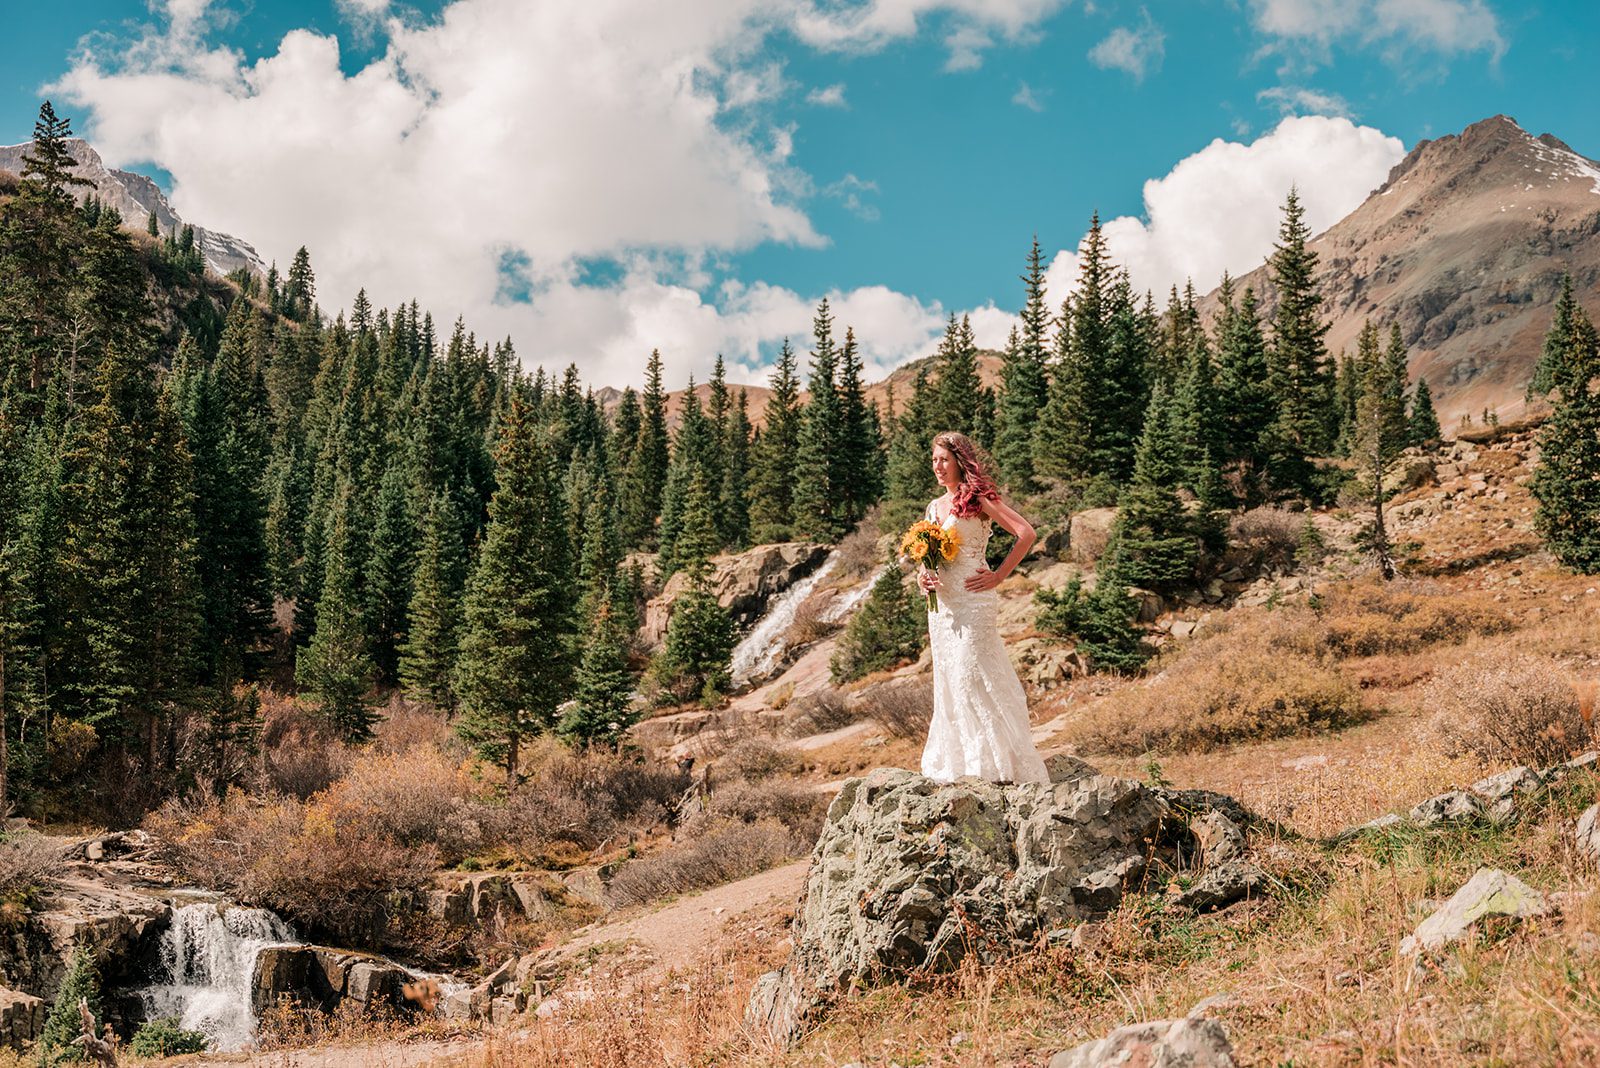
[(761, 649), (208, 960), (847, 604)]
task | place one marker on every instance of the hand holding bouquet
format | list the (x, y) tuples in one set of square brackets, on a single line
[(928, 545)]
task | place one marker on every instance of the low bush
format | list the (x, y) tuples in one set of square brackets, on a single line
[(903, 708), (755, 759), (584, 799), (820, 712), (28, 860), (1367, 619), (417, 796), (810, 623), (1202, 704), (297, 755), (325, 865), (799, 809), (729, 851), (164, 1038), (1522, 710), (1264, 538)]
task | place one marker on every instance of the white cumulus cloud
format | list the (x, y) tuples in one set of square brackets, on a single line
[(571, 175), (1219, 209)]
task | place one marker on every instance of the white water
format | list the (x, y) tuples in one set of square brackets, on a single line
[(208, 957), (759, 652), (847, 604)]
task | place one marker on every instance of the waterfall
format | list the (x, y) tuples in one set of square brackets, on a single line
[(208, 960), (760, 650), (847, 604)]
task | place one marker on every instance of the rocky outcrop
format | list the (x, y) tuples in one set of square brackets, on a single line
[(910, 874), (743, 583), (323, 978), (21, 1018), (1499, 798), (482, 898), (1185, 1043)]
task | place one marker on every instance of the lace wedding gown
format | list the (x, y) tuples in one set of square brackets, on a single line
[(980, 713)]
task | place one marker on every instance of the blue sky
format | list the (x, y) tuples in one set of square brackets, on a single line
[(694, 175)]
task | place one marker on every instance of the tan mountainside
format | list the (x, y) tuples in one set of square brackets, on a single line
[(1464, 245), (899, 382)]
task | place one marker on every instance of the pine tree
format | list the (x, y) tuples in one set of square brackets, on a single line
[(389, 564), (1024, 381), (694, 660), (859, 460), (733, 505), (513, 671), (433, 618), (1198, 429), (1118, 391), (1061, 439), (602, 706), (645, 472), (62, 1025), (335, 668), (1567, 481), (1245, 403), (692, 458), (1101, 621), (1154, 544), (47, 162), (300, 289), (888, 628), (910, 478), (772, 485), (1301, 378), (1423, 421), (820, 511), (1558, 342), (1381, 431), (960, 389)]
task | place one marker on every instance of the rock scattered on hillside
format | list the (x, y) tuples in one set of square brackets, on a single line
[(1488, 893), (1187, 1043)]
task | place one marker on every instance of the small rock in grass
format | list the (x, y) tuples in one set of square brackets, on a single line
[(1488, 893), (1194, 1043), (1589, 833), (1452, 807)]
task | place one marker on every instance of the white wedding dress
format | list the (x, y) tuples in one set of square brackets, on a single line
[(980, 713)]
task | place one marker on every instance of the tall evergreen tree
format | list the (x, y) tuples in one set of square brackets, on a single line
[(733, 505), (1061, 439), (859, 459), (1381, 431), (1024, 381), (1153, 542), (692, 458), (772, 484), (433, 620), (1118, 391), (513, 671), (960, 388), (694, 660), (1301, 377), (390, 561), (1423, 420), (335, 668), (1246, 407), (820, 510), (1567, 481), (645, 473)]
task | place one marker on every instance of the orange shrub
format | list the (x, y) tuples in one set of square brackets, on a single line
[(1509, 709)]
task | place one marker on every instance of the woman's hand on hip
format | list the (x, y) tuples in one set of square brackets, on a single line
[(981, 580)]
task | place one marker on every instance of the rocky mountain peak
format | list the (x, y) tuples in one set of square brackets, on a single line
[(136, 196)]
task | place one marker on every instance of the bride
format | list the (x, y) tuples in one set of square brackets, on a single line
[(980, 713)]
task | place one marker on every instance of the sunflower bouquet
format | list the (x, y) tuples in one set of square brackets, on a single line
[(928, 545)]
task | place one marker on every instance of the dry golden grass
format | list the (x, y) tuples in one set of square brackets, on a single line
[(1509, 710)]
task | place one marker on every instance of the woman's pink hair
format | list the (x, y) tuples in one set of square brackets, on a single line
[(976, 484)]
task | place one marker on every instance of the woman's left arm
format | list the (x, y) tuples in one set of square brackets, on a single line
[(1008, 518)]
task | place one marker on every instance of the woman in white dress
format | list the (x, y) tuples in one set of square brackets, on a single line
[(980, 713)]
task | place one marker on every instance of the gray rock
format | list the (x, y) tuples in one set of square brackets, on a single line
[(1383, 822), (1501, 793), (1488, 893), (1455, 806), (1219, 838), (911, 874), (1222, 884), (321, 977), (1185, 1043), (1588, 833), (743, 584)]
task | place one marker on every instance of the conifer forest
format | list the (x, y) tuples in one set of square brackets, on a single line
[(214, 486)]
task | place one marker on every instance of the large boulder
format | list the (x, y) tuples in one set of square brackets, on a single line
[(912, 874), (743, 583), (1091, 531)]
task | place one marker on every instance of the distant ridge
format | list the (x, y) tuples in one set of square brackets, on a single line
[(1464, 245), (136, 196)]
